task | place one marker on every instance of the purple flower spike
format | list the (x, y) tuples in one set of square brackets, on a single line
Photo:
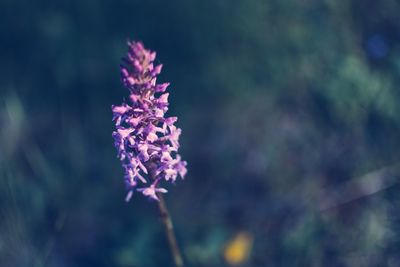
[(147, 142)]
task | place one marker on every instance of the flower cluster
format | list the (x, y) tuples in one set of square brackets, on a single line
[(147, 142)]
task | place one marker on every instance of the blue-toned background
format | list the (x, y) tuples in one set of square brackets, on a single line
[(291, 129)]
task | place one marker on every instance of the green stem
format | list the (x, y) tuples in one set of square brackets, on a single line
[(169, 230)]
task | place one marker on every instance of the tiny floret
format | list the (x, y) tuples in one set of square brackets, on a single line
[(147, 142)]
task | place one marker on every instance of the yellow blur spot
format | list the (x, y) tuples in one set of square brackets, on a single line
[(237, 250)]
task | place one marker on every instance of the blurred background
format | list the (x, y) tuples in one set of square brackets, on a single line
[(291, 130)]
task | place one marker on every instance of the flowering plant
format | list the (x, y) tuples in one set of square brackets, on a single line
[(147, 142)]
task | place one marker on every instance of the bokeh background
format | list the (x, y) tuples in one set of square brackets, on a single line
[(290, 120)]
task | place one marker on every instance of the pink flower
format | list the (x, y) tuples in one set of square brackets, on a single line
[(152, 191), (146, 141)]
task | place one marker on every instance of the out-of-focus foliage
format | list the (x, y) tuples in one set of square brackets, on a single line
[(290, 120)]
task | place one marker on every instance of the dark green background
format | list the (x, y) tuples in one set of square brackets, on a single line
[(284, 106)]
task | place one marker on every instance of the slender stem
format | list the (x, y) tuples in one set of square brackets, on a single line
[(169, 230)]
